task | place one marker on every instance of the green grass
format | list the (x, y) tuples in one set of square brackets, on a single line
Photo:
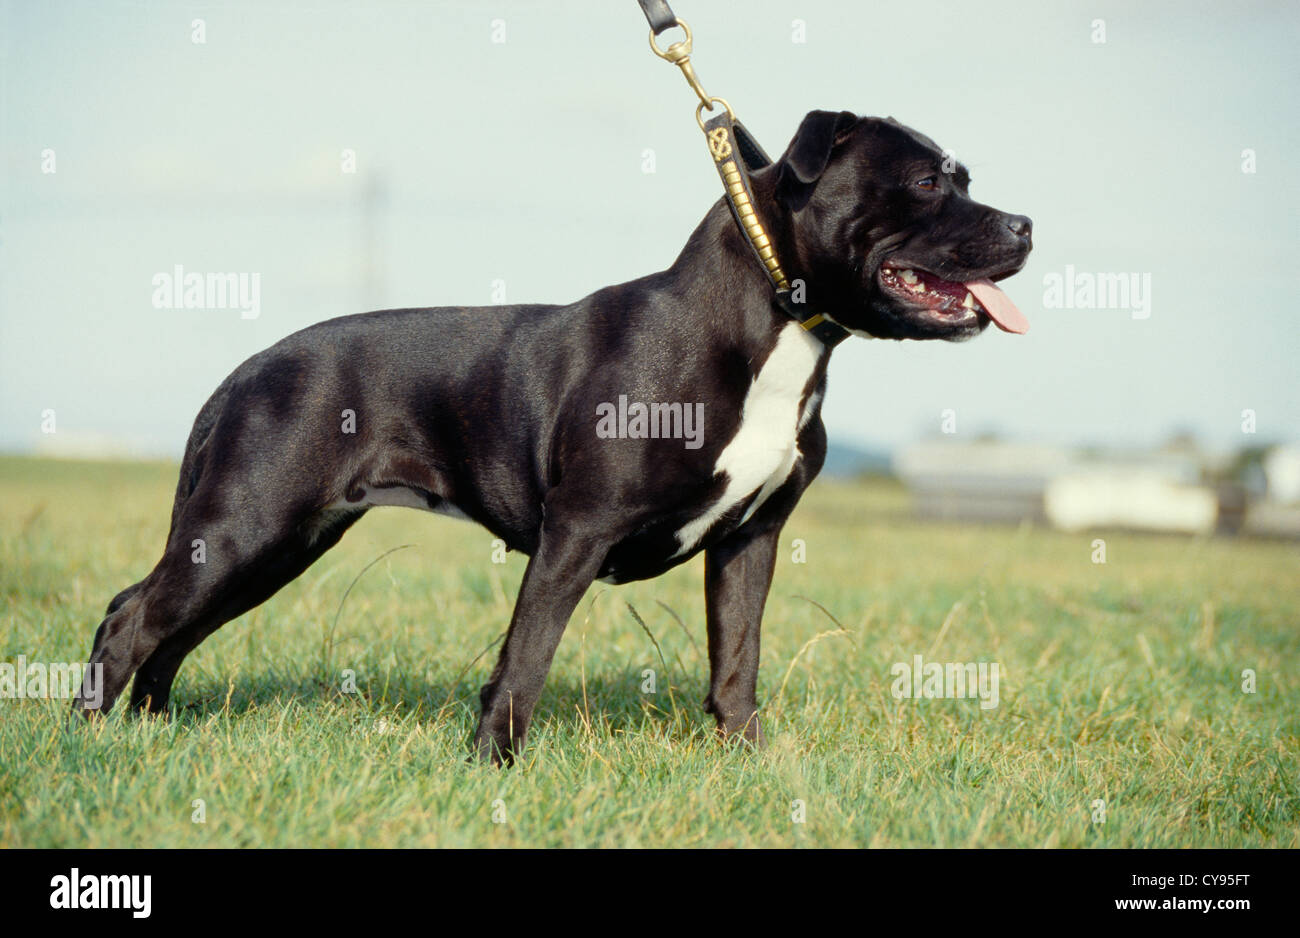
[(1120, 682)]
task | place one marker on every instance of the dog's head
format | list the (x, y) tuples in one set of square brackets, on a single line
[(882, 228)]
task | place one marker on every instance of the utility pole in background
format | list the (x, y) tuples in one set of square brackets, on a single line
[(373, 201)]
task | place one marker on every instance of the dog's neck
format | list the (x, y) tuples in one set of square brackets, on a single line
[(731, 288)]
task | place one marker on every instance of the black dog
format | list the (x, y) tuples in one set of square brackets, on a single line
[(517, 417)]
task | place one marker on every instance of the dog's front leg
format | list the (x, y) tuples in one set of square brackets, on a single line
[(563, 566), (737, 574)]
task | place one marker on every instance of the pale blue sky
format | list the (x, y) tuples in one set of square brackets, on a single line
[(522, 161)]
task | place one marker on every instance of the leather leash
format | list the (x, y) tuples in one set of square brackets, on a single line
[(735, 155)]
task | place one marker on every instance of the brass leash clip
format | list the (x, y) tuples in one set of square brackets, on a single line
[(679, 54)]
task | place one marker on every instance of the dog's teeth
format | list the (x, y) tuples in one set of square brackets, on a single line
[(909, 276), (969, 301)]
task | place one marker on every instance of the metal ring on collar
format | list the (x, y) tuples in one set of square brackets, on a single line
[(699, 110)]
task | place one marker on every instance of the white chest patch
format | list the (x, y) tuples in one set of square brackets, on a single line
[(765, 448)]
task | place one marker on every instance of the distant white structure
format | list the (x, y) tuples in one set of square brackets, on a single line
[(979, 481), (1118, 496), (992, 481), (1282, 470), (76, 444), (1278, 514)]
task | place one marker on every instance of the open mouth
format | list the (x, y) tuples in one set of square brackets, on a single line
[(950, 301)]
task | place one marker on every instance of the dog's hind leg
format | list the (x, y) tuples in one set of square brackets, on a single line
[(251, 512), (151, 689), (247, 557)]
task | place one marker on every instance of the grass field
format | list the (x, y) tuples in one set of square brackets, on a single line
[(1120, 683)]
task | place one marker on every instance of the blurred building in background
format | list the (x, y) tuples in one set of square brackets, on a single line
[(1176, 489), (1278, 512), (980, 481)]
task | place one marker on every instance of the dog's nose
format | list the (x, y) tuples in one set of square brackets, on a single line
[(1021, 225)]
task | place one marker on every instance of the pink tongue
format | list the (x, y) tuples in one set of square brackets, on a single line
[(999, 306)]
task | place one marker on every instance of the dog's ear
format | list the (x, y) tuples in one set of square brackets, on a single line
[(805, 160), (810, 150)]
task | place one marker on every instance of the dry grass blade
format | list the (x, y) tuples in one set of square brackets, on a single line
[(678, 619), (451, 692), (659, 651), (328, 648)]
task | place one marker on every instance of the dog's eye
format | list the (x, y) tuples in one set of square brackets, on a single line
[(929, 183)]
